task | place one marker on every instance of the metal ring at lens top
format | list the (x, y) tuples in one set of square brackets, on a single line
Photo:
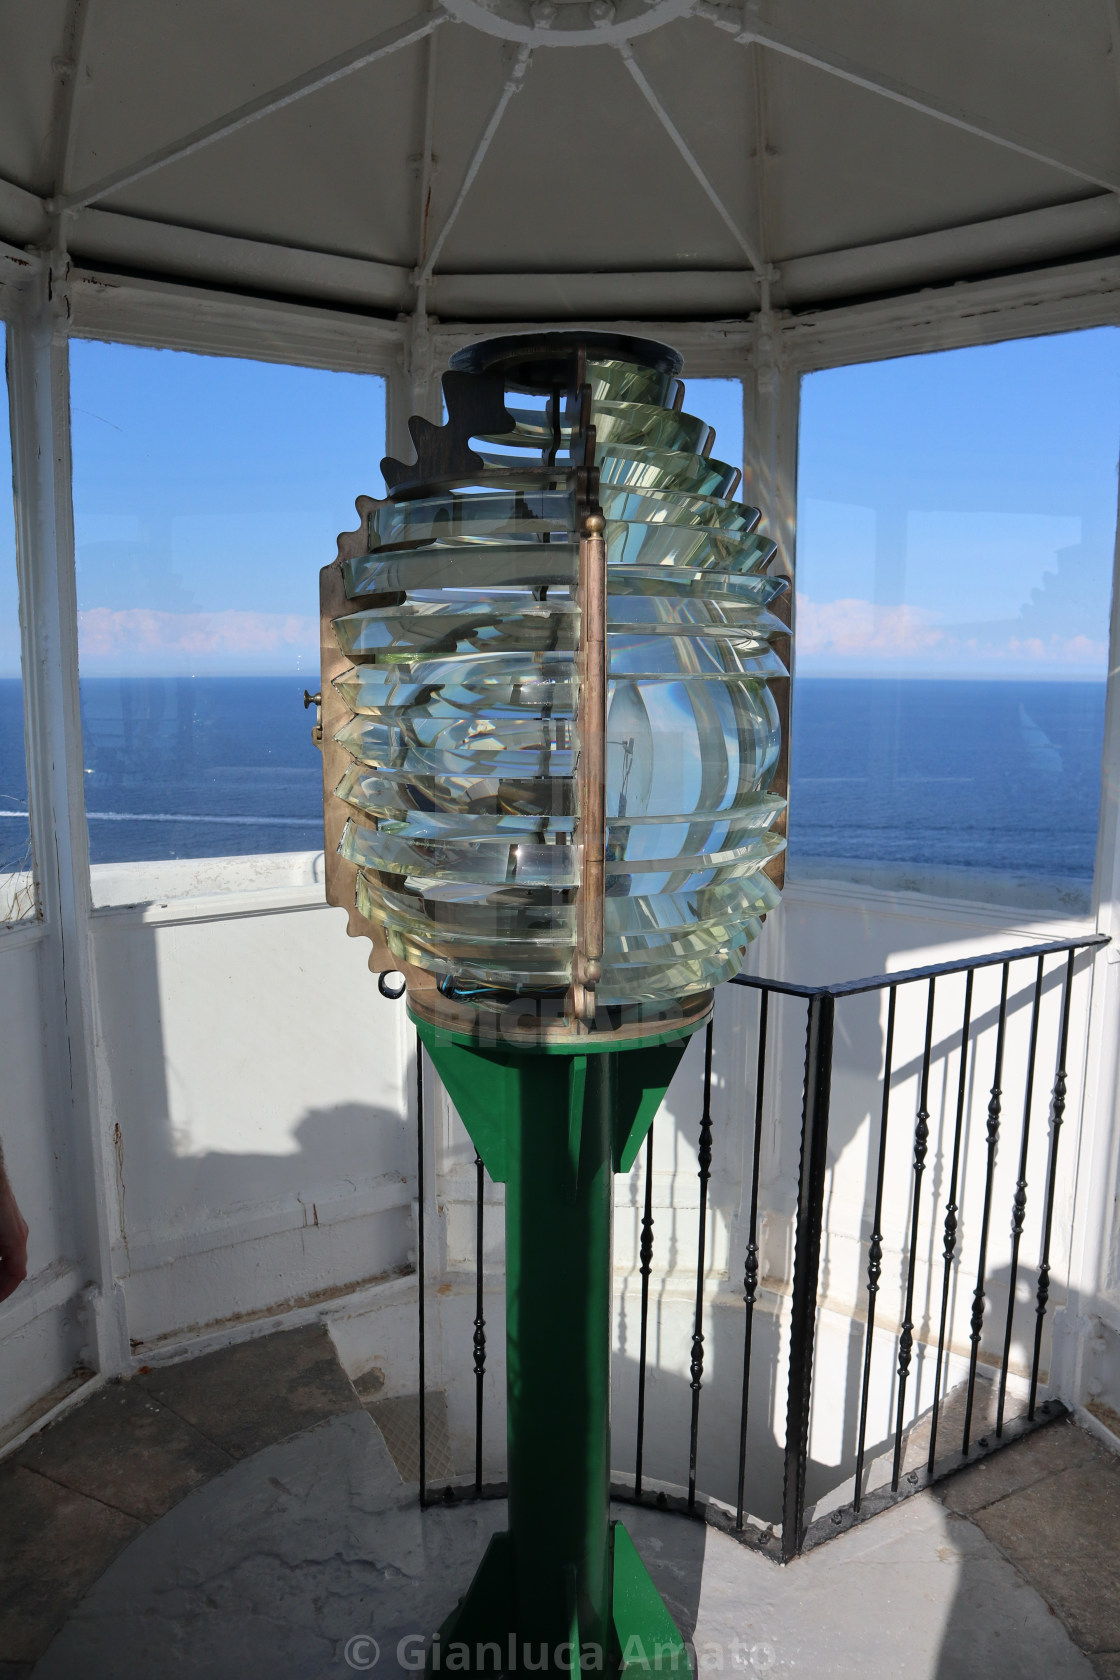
[(386, 990), (567, 23)]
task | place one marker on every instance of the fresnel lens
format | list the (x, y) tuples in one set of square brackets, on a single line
[(550, 753)]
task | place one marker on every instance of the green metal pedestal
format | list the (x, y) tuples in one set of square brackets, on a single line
[(553, 1123)]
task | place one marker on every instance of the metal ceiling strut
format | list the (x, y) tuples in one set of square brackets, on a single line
[(69, 69), (750, 30), (333, 70), (513, 84), (743, 240), (427, 159)]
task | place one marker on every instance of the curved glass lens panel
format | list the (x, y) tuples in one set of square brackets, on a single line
[(463, 688)]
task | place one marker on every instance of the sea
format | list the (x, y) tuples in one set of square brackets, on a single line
[(995, 777)]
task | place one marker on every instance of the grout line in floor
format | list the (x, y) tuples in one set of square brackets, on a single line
[(106, 1504)]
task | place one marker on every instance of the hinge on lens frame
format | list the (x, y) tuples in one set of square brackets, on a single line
[(581, 449)]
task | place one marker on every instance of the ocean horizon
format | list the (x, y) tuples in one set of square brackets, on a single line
[(993, 775)]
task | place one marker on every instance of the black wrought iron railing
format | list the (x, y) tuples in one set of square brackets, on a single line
[(1054, 967)]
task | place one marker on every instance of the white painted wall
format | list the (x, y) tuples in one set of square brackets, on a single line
[(252, 1080), (42, 1333)]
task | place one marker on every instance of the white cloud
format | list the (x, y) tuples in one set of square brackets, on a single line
[(139, 632), (856, 627), (854, 633)]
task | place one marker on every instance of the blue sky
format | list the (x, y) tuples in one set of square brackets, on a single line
[(957, 511), (208, 492)]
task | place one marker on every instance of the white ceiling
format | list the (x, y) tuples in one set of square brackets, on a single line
[(838, 151)]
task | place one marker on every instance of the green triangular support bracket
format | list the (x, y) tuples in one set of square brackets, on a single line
[(649, 1641), (491, 1088)]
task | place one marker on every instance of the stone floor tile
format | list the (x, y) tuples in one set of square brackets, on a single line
[(54, 1544), (1055, 1447), (274, 1567), (125, 1449), (398, 1419), (1063, 1533), (267, 1572), (1107, 1665), (259, 1392)]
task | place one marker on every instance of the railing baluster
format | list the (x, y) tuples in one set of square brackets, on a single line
[(1019, 1201), (646, 1256), (479, 1323), (921, 1147), (950, 1239), (875, 1248), (1057, 1115), (750, 1270), (421, 1421), (697, 1363), (806, 1264), (981, 1269)]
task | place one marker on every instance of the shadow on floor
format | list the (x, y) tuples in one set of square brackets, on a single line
[(240, 1516)]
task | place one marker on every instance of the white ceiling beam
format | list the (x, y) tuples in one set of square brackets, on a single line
[(427, 161), (743, 240), (70, 70), (761, 195), (748, 30), (345, 64), (514, 82)]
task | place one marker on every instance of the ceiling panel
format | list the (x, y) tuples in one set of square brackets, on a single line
[(581, 176), (31, 37), (1041, 70), (845, 168), (329, 173), (156, 70)]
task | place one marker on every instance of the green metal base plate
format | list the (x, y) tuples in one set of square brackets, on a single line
[(480, 1636), (649, 1641)]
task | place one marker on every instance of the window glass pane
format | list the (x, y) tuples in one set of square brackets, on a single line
[(208, 492), (720, 402), (17, 888), (957, 522)]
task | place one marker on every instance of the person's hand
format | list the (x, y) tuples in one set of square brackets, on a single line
[(13, 1241)]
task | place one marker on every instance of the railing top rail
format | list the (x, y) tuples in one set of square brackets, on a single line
[(961, 965)]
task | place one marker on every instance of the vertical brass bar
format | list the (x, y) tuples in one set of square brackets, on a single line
[(591, 773)]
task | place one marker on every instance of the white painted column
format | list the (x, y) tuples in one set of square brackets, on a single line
[(1086, 1357), (771, 413), (771, 417), (40, 399)]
